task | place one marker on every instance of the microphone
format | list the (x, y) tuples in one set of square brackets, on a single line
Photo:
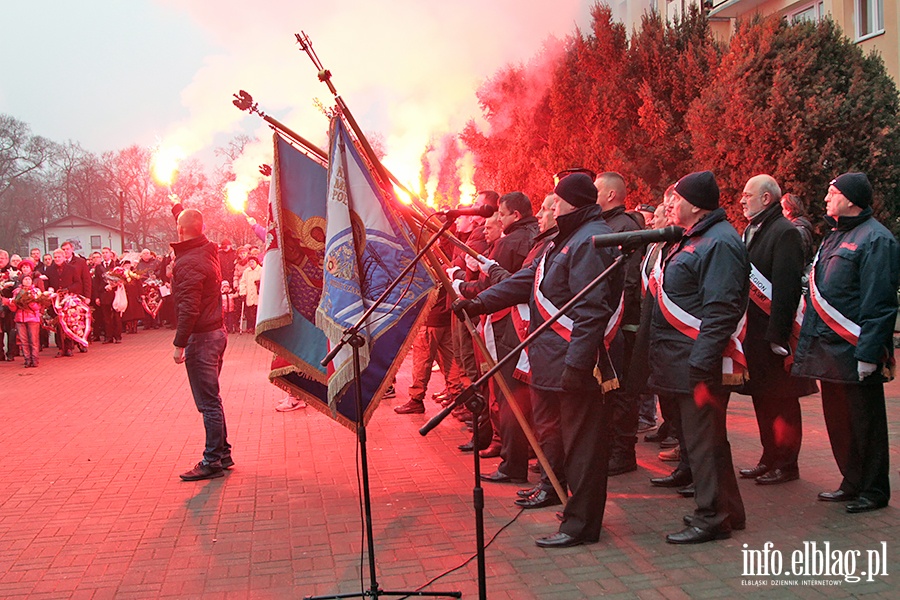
[(482, 210), (631, 240)]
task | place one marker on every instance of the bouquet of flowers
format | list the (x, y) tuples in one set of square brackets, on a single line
[(119, 275), (28, 296)]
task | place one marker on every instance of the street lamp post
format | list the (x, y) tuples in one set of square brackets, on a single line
[(121, 196)]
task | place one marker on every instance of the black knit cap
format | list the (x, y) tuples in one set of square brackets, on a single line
[(577, 189), (856, 187), (700, 189)]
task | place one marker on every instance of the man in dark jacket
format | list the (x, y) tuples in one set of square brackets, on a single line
[(62, 276), (519, 228), (695, 351), (200, 337), (611, 193), (846, 340), (106, 294), (82, 283), (776, 270), (569, 349)]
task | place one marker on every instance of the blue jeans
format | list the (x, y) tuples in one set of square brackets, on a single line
[(203, 361)]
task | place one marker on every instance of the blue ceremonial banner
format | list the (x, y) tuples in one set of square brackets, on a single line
[(367, 246), (291, 284)]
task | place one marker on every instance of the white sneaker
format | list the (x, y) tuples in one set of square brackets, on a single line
[(290, 403)]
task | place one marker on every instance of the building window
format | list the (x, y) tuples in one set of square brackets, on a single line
[(869, 18), (53, 243), (812, 12), (96, 242)]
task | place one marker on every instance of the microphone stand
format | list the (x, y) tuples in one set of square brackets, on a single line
[(473, 399), (352, 337)]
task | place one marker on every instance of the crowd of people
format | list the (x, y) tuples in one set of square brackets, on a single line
[(69, 301), (683, 323), (767, 313)]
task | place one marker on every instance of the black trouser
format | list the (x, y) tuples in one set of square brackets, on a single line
[(584, 424), (857, 428), (671, 412), (112, 320), (780, 430), (513, 443), (625, 405), (719, 504), (545, 415), (9, 328)]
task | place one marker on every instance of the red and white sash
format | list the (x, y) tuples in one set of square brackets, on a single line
[(521, 318), (734, 364), (761, 295), (840, 324), (487, 330), (563, 326), (650, 280)]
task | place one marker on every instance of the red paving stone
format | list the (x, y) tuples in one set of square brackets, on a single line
[(91, 505)]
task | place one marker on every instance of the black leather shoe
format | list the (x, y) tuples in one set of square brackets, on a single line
[(227, 462), (686, 492), (836, 496), (498, 477), (618, 466), (689, 519), (668, 442), (470, 445), (539, 500), (491, 451), (559, 540), (776, 476), (675, 479), (755, 472), (863, 504), (529, 492), (695, 535)]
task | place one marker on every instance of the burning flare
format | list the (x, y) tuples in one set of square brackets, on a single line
[(236, 194), (164, 164)]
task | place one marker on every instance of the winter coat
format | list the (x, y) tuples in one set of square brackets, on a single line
[(570, 264), (776, 251), (620, 221), (806, 236), (196, 283), (31, 314), (64, 277), (249, 286), (857, 270), (707, 275)]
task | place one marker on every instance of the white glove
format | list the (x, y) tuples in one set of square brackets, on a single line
[(472, 263), (455, 284), (865, 369), (779, 350), (485, 264), (251, 221), (452, 271)]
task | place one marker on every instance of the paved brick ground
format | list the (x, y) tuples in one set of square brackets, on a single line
[(91, 505)]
